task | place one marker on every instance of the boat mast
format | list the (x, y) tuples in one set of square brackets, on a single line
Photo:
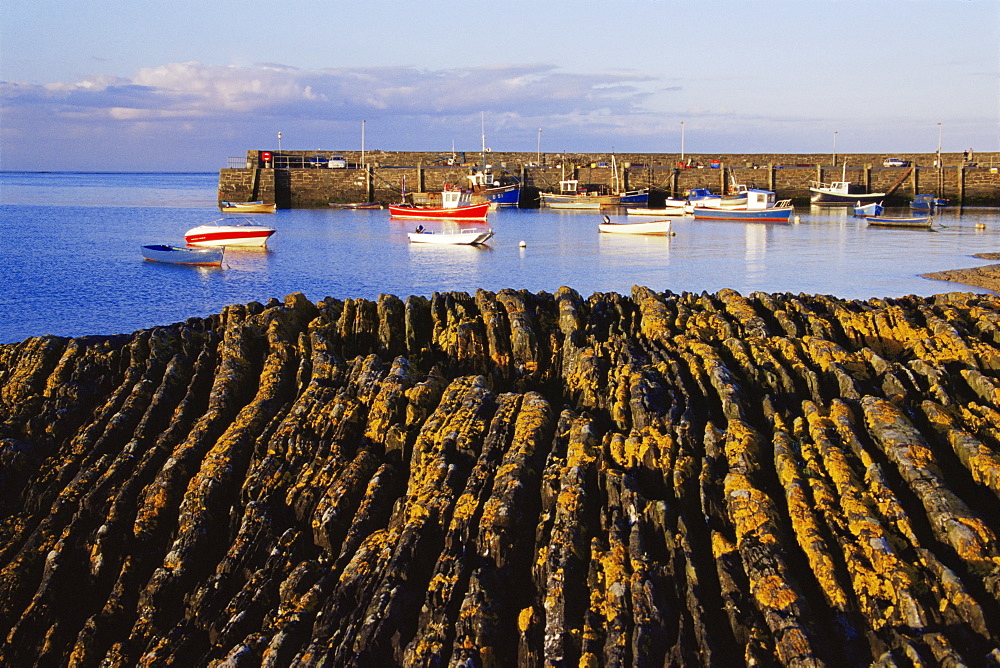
[(482, 124)]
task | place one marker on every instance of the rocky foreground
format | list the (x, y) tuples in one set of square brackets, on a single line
[(509, 479)]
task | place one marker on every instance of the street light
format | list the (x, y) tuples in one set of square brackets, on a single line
[(279, 141), (538, 149), (682, 141), (939, 146), (834, 148)]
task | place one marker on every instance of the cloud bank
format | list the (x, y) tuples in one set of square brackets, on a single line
[(191, 116)]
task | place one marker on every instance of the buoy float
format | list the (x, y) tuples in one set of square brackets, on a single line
[(980, 226), (523, 244), (797, 219)]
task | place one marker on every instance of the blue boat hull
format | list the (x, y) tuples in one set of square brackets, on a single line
[(635, 198), (509, 197), (769, 215)]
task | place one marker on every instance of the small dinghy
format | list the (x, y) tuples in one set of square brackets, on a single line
[(644, 227), (463, 238), (900, 221), (211, 256), (248, 207)]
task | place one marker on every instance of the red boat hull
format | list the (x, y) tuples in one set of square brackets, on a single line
[(471, 212), (210, 235)]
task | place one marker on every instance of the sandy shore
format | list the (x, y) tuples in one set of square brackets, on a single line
[(987, 276)]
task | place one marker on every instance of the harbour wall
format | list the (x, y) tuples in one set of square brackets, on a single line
[(304, 180)]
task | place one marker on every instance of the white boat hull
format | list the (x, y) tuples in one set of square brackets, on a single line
[(671, 211), (463, 238), (180, 255), (648, 227), (228, 235)]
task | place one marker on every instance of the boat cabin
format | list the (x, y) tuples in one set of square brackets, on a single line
[(758, 200), (453, 199), (570, 187)]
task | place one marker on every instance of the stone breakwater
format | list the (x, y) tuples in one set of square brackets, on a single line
[(509, 479)]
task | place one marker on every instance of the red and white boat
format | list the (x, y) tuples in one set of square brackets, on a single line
[(229, 232), (455, 205)]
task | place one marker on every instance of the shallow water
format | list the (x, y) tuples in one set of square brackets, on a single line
[(71, 262)]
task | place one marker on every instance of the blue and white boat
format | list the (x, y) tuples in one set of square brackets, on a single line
[(760, 206), (923, 203), (868, 210)]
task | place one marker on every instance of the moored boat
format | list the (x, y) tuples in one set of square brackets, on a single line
[(760, 206), (669, 211), (900, 221), (356, 205), (229, 232), (643, 227), (462, 238), (182, 255), (455, 205), (840, 193), (247, 207), (867, 210), (571, 196), (923, 203)]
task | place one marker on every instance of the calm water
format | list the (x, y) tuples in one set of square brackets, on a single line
[(71, 262)]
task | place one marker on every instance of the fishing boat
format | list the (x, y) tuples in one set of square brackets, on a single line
[(867, 210), (572, 196), (488, 188), (760, 206), (644, 227), (455, 205), (900, 221), (923, 203), (182, 255), (247, 207), (461, 238), (840, 193), (229, 232)]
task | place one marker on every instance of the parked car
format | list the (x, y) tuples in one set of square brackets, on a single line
[(895, 162), (337, 162)]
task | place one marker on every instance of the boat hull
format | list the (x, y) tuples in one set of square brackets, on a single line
[(464, 238), (470, 212), (648, 227), (228, 235), (636, 197), (821, 197), (502, 196), (206, 257), (579, 201), (671, 211), (892, 221), (247, 207), (775, 214), (868, 210)]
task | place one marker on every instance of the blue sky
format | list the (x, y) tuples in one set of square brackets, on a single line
[(137, 85)]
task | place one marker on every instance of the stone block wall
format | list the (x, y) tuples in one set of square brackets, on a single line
[(789, 175)]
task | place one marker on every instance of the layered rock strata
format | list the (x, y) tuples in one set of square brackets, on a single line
[(509, 479)]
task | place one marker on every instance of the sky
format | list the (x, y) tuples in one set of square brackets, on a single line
[(181, 85)]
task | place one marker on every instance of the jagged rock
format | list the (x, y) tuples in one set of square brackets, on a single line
[(509, 478)]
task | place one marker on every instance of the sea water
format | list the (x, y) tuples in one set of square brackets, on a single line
[(71, 264)]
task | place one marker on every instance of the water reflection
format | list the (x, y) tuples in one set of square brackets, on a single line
[(247, 258)]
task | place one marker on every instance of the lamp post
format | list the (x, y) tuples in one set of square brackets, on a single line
[(834, 148), (538, 149), (939, 146), (682, 141)]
